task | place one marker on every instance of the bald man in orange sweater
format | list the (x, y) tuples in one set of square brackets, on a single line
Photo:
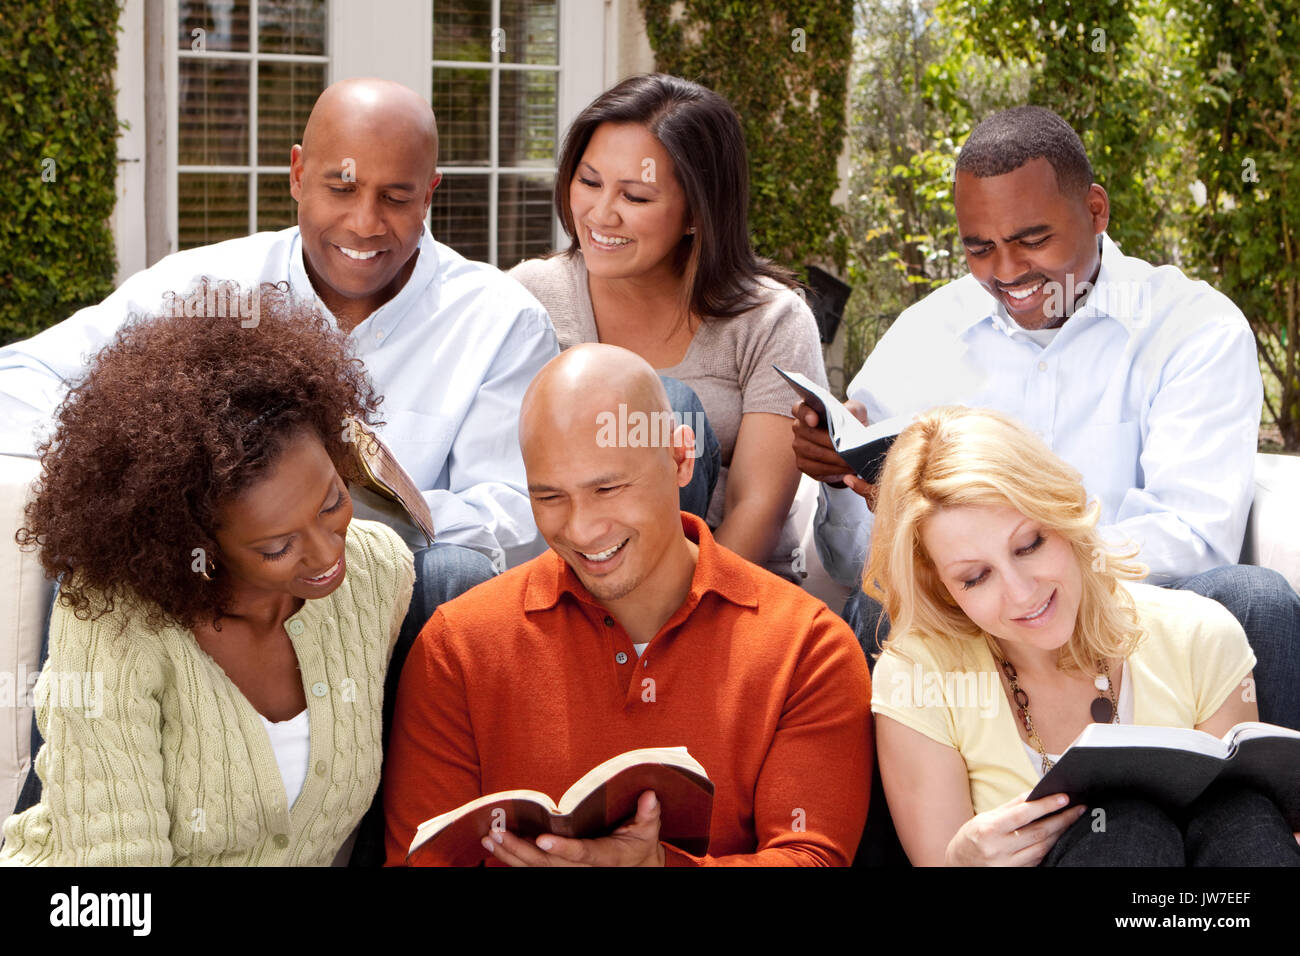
[(534, 677)]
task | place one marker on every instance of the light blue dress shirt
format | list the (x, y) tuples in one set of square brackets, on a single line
[(451, 353), (1151, 389)]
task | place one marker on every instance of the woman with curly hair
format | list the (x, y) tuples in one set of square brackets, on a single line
[(232, 625), (1014, 627)]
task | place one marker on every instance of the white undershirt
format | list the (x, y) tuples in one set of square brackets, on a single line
[(1043, 337), (1125, 717), (291, 743), (640, 648)]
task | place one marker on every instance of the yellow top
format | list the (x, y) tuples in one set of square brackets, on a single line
[(154, 757), (1193, 656)]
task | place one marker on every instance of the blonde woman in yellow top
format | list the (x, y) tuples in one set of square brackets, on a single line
[(1014, 627)]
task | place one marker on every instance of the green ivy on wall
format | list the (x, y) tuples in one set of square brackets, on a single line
[(785, 68), (58, 159)]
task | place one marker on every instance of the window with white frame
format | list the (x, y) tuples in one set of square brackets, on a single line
[(247, 74), (496, 67), (502, 75)]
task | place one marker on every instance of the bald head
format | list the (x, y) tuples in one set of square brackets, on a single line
[(577, 391), (376, 110), (605, 461)]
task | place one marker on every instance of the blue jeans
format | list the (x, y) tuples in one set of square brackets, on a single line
[(1261, 600), (688, 410), (1228, 825)]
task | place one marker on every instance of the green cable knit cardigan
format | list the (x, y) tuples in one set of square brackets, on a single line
[(153, 757)]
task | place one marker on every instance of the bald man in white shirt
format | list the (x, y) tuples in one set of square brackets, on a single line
[(451, 344)]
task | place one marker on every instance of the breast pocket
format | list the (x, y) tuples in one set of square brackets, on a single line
[(420, 442), (1107, 456)]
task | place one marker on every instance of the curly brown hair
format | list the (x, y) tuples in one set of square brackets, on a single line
[(175, 417)]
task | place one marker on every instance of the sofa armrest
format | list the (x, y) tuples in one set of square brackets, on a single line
[(1273, 530), (25, 596)]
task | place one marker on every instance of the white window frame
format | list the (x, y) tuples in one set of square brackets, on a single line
[(392, 39)]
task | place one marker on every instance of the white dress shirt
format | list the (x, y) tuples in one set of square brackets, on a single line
[(451, 353), (1151, 389)]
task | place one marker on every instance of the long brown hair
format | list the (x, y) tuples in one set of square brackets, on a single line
[(702, 135)]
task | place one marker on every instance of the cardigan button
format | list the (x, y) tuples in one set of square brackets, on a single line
[(281, 841), (320, 688), (320, 768), (295, 628)]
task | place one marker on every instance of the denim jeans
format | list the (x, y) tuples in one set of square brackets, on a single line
[(688, 410), (1228, 825)]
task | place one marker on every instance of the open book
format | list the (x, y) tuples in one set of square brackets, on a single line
[(1173, 765), (863, 446), (383, 476), (600, 802)]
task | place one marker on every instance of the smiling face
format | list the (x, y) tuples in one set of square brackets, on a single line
[(610, 513), (1011, 576), (284, 534), (628, 208), (363, 178), (1023, 237)]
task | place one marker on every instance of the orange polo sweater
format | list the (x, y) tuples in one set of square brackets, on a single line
[(526, 682)]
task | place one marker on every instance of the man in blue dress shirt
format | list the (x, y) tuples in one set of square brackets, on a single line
[(1144, 380)]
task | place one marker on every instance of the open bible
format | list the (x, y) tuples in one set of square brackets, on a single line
[(598, 803), (863, 446), (1173, 765), (386, 491)]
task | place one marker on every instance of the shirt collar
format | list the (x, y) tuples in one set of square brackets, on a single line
[(1112, 296), (422, 276), (718, 570)]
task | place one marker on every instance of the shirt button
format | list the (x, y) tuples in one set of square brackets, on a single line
[(609, 621), (620, 657), (320, 768), (1042, 366), (320, 689), (281, 841), (295, 628)]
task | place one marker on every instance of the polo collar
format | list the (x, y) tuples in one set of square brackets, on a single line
[(719, 570)]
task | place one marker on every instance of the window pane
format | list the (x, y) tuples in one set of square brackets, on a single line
[(527, 134), (524, 220), (285, 94), (211, 207), (275, 207), (213, 106), (462, 30), (531, 31), (291, 26), (460, 215), (462, 105), (223, 25)]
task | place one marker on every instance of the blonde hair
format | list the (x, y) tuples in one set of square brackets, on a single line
[(953, 456)]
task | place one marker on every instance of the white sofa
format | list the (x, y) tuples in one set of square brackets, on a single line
[(1272, 539)]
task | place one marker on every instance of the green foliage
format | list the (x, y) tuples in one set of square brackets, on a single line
[(58, 159), (784, 66), (1247, 136), (918, 88), (1110, 69)]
